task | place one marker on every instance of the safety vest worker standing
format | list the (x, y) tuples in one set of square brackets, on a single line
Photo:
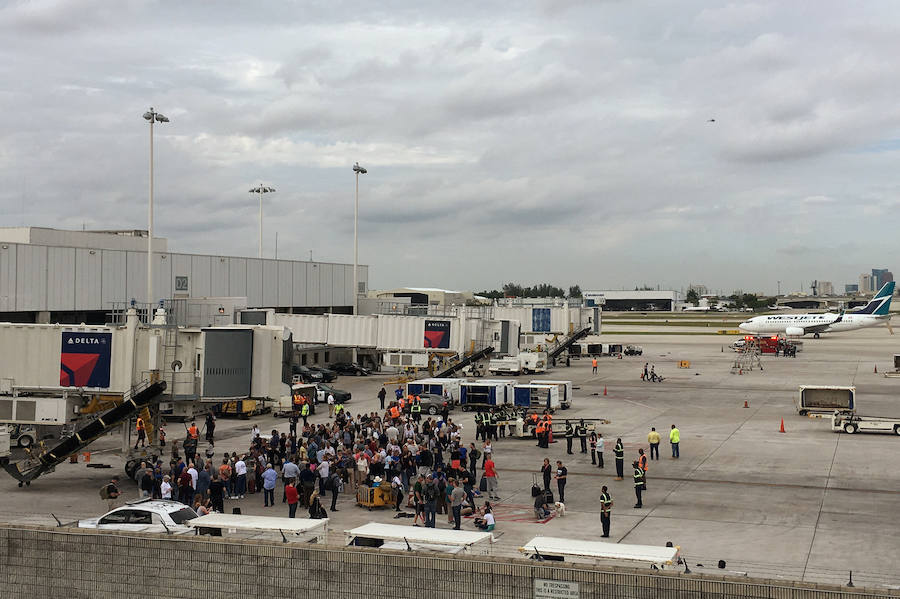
[(619, 452), (606, 504), (594, 365), (639, 484)]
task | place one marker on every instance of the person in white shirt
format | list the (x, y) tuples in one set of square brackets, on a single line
[(253, 432), (194, 474), (330, 401), (323, 471), (240, 471), (166, 488)]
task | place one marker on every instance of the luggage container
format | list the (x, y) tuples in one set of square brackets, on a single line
[(485, 393), (437, 387), (536, 397), (825, 399), (565, 391)]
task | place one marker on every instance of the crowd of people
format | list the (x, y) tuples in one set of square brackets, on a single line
[(424, 461)]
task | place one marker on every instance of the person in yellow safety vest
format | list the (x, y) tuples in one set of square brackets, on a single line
[(141, 433), (338, 407), (416, 409), (653, 439), (304, 412), (594, 365), (674, 439)]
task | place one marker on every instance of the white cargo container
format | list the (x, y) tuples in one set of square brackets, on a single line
[(437, 387), (565, 391), (510, 365), (52, 411), (483, 393), (533, 362), (402, 360), (825, 399), (537, 397)]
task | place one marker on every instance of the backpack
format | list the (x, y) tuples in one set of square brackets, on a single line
[(104, 492), (429, 493)]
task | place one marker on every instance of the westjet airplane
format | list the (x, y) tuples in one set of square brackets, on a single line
[(873, 314)]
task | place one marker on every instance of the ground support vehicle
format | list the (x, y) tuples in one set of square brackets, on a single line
[(825, 399), (852, 423)]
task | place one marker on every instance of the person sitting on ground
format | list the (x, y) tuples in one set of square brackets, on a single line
[(541, 509), (486, 521)]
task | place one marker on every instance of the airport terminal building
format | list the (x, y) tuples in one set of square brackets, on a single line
[(51, 275)]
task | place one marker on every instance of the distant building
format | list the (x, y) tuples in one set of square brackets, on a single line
[(825, 288), (633, 300), (851, 289), (427, 296), (880, 276), (866, 283)]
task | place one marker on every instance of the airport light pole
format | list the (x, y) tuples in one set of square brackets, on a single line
[(151, 116), (261, 189), (359, 171)]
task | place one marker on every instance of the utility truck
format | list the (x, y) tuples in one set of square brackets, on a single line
[(852, 423), (825, 399)]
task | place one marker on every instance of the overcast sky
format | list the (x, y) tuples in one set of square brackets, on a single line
[(559, 141)]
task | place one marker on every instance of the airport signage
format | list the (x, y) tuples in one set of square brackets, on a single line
[(555, 589), (181, 284), (437, 334), (85, 359)]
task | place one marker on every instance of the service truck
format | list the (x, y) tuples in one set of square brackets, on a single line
[(852, 423), (523, 363), (825, 399)]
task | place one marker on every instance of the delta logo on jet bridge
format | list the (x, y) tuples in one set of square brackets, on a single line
[(437, 334), (85, 359)]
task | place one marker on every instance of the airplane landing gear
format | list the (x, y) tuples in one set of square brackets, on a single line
[(815, 335)]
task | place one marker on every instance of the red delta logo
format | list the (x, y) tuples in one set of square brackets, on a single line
[(84, 359)]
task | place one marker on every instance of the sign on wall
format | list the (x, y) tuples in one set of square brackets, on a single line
[(555, 589), (437, 334), (181, 284), (540, 320), (85, 359)]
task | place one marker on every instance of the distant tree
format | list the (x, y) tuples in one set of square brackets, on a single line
[(692, 296), (575, 291)]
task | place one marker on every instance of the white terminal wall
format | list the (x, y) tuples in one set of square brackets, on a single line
[(42, 277)]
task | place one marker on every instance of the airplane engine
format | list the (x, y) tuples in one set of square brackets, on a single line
[(794, 331)]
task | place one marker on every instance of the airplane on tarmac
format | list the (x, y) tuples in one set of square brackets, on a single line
[(874, 313)]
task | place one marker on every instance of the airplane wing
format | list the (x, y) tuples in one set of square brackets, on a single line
[(821, 328)]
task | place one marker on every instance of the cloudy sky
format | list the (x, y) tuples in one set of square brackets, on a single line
[(559, 140)]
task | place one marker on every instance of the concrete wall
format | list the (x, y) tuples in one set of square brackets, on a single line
[(46, 562)]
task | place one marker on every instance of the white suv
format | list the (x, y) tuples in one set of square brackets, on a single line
[(148, 515)]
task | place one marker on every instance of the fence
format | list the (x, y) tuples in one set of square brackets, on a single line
[(73, 563)]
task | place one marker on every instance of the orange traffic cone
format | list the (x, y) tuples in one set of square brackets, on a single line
[(782, 426), (876, 369), (746, 404), (604, 390)]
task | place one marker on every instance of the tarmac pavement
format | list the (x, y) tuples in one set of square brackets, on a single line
[(806, 504)]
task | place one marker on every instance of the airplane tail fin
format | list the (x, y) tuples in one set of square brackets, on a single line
[(881, 303)]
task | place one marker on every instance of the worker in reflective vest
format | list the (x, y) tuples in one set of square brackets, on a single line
[(570, 434), (639, 484), (539, 432), (395, 412), (642, 464), (304, 412), (594, 365), (606, 504), (193, 431), (619, 452), (416, 409), (141, 433)]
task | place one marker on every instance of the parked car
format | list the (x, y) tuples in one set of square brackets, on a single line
[(328, 374), (307, 375), (634, 350), (738, 345), (340, 396), (432, 404), (350, 368), (153, 515)]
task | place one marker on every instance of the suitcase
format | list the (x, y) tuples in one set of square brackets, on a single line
[(535, 490), (536, 482)]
